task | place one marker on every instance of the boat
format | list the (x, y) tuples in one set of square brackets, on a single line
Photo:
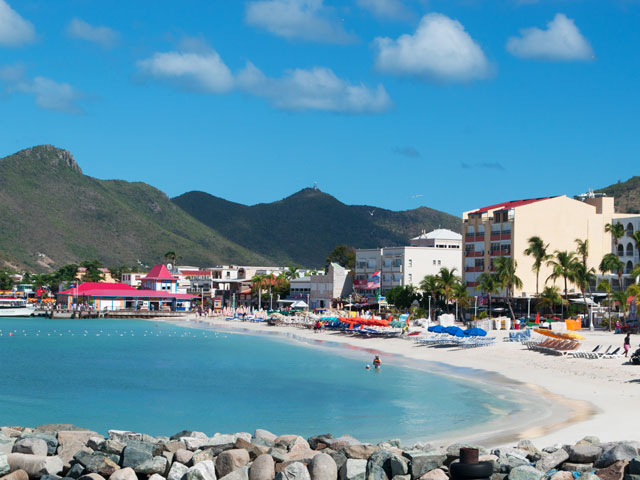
[(16, 307)]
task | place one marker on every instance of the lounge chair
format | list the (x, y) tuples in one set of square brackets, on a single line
[(613, 354), (585, 353)]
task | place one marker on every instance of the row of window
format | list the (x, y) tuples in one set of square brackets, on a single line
[(629, 250)]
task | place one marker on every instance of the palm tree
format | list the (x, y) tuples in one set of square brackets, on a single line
[(622, 296), (292, 272), (447, 280), (550, 297), (612, 263), (461, 295), (605, 286), (506, 275), (538, 250), (561, 264), (583, 277), (430, 286), (635, 236), (258, 282), (617, 231), (488, 284), (582, 249)]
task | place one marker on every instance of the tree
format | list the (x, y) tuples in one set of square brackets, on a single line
[(635, 236), (116, 272), (617, 231), (612, 263), (605, 286), (582, 250), (5, 281), (461, 295), (257, 284), (583, 277), (447, 280), (344, 256), (489, 284), (292, 272), (562, 266), (93, 273), (509, 280), (622, 297), (550, 297), (538, 250), (403, 297), (430, 286)]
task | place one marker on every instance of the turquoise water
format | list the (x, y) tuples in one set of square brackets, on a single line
[(160, 379)]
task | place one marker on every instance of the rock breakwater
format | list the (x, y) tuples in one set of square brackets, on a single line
[(66, 452)]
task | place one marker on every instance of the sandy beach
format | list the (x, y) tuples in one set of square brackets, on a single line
[(583, 396)]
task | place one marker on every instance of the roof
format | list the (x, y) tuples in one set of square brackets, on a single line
[(159, 272), (93, 289), (510, 204), (439, 234), (196, 273)]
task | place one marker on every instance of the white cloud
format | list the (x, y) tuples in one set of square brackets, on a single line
[(315, 89), (14, 30), (305, 19), (103, 36), (51, 95), (198, 71), (439, 50), (386, 9), (561, 41)]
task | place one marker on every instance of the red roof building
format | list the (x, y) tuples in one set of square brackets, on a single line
[(160, 280)]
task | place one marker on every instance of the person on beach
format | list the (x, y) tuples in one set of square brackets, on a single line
[(376, 362), (627, 344), (617, 326)]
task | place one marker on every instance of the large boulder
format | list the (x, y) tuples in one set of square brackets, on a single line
[(202, 455), (230, 460), (525, 472), (132, 456), (362, 451), (264, 435), (262, 468), (124, 474), (577, 467), (193, 443), (77, 436), (239, 474), (584, 453), (422, 462), (620, 451), (174, 446), (177, 471), (384, 465), (76, 471), (562, 475), (92, 476), (342, 441), (124, 436), (323, 467), (51, 440), (203, 471), (4, 465), (31, 446), (35, 465), (6, 444), (253, 449), (113, 447), (437, 474), (294, 471), (153, 465), (615, 471), (17, 475), (634, 466), (353, 469), (156, 476), (318, 442), (552, 460), (183, 456)]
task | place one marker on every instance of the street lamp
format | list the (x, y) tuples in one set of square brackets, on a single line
[(429, 319), (476, 315)]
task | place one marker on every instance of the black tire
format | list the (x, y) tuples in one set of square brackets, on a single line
[(463, 471)]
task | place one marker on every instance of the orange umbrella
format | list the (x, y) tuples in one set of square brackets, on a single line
[(538, 317)]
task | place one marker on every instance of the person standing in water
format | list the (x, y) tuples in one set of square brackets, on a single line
[(376, 362)]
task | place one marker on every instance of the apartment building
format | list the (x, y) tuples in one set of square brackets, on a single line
[(503, 230), (408, 265)]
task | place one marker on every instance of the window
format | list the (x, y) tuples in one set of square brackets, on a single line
[(495, 247), (361, 264), (410, 278), (386, 262), (629, 249), (629, 229), (372, 263), (410, 263), (439, 262), (397, 262), (620, 250), (434, 262)]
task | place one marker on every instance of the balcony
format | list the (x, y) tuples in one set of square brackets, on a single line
[(474, 269), (472, 284), (473, 253)]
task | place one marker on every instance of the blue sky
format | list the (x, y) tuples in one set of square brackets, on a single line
[(396, 103)]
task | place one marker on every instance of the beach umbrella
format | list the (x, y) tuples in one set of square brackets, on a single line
[(436, 329), (476, 332), (538, 317)]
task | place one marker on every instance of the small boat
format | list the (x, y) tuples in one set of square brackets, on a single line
[(16, 307)]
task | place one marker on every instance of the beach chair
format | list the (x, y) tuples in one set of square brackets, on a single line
[(613, 354), (585, 354)]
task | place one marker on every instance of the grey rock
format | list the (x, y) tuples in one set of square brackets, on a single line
[(174, 446), (353, 469), (294, 471), (362, 451), (621, 451), (153, 465), (203, 471), (102, 465), (589, 476), (628, 476), (338, 457), (6, 444), (552, 460), (193, 443), (615, 471), (509, 462), (124, 435), (92, 476), (278, 454), (156, 476), (577, 467), (179, 435), (202, 455), (183, 456), (132, 457), (4, 465), (423, 462), (114, 447), (264, 435), (323, 467), (384, 465), (124, 474), (35, 465), (31, 446), (51, 440), (231, 460), (50, 477), (454, 450), (177, 471), (592, 439), (96, 443), (262, 468), (76, 471), (525, 472), (402, 477), (585, 453), (319, 439), (239, 474), (634, 466)]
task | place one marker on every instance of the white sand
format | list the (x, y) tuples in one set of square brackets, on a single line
[(610, 386)]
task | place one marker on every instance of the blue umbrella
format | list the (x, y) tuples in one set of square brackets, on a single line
[(476, 332), (436, 329), (453, 330)]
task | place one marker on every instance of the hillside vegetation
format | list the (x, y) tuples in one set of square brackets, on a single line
[(627, 195)]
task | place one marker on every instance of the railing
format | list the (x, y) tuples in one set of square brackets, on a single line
[(474, 253)]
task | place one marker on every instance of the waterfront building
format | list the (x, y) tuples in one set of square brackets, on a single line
[(408, 265), (106, 273), (133, 279), (336, 284), (503, 230), (160, 279)]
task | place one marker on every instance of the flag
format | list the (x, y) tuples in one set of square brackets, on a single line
[(374, 282)]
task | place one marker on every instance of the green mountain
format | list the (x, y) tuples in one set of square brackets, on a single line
[(306, 226), (52, 215), (627, 195)]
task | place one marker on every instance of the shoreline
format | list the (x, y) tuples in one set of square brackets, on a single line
[(561, 416)]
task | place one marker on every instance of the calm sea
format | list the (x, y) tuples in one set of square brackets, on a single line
[(160, 379)]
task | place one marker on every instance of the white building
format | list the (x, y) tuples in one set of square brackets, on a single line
[(400, 266), (337, 283), (132, 279)]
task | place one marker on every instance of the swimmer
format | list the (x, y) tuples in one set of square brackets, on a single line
[(376, 362), (367, 367)]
